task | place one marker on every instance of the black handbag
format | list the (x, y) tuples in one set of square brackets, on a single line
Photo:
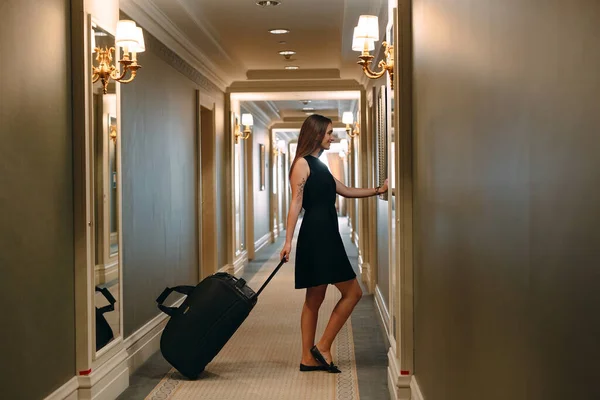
[(104, 333)]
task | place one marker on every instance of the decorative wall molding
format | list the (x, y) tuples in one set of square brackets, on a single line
[(384, 314), (262, 242), (238, 265), (398, 384), (159, 28), (108, 381), (415, 390)]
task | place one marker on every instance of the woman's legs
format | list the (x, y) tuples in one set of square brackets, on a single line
[(308, 321), (351, 294)]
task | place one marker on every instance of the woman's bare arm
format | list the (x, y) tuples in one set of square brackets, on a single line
[(298, 179), (355, 193)]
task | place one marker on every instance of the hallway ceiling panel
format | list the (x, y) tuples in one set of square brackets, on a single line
[(234, 35)]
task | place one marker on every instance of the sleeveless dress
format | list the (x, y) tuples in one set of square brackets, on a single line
[(320, 254)]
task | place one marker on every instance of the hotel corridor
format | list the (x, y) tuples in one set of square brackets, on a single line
[(261, 359)]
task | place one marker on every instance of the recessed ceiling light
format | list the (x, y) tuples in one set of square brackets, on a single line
[(308, 109), (279, 31), (287, 52), (292, 67), (268, 3), (305, 102), (309, 113), (283, 42)]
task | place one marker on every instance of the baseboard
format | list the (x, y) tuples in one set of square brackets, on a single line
[(383, 312), (238, 265), (398, 384), (68, 391), (107, 273), (415, 390), (145, 342), (108, 381), (262, 242), (227, 268)]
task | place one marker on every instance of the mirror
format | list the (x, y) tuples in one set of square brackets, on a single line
[(104, 177)]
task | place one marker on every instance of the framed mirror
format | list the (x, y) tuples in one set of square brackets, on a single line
[(104, 187)]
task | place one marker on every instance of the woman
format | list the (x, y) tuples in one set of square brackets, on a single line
[(320, 255)]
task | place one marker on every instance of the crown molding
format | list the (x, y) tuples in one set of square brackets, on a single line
[(149, 16), (294, 86), (257, 112)]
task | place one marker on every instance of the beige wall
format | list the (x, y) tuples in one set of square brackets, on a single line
[(37, 338), (160, 182), (507, 199)]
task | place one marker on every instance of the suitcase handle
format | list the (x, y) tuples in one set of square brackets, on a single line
[(170, 311), (270, 277), (108, 296)]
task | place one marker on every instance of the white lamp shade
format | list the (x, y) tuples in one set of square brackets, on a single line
[(281, 145), (368, 27), (247, 120), (126, 34), (358, 43), (347, 117), (140, 47)]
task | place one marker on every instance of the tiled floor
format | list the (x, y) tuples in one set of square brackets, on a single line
[(369, 340)]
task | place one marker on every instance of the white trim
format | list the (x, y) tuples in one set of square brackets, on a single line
[(262, 242), (68, 391), (398, 385), (238, 264), (144, 342), (384, 314), (108, 381), (415, 390), (228, 269)]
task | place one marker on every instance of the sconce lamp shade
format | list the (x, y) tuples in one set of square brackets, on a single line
[(347, 117), (368, 27), (281, 145), (358, 43), (126, 34), (140, 47), (247, 120)]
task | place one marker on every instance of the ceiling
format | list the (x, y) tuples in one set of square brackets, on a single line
[(234, 35)]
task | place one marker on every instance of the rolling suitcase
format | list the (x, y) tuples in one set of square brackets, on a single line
[(210, 314)]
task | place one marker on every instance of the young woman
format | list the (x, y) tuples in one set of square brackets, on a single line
[(320, 255)]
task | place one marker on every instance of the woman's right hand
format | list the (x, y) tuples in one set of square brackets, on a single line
[(285, 252)]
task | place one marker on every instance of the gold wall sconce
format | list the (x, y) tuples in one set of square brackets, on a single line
[(131, 39), (247, 121), (366, 33), (348, 119)]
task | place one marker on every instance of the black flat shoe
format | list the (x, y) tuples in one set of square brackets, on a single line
[(332, 368), (308, 368)]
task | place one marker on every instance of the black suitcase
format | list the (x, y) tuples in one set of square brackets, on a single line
[(210, 314)]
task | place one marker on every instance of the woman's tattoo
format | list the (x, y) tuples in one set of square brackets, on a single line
[(301, 187)]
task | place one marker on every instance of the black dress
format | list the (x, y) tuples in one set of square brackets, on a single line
[(320, 254)]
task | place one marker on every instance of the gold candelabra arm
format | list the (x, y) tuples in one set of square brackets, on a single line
[(133, 68), (384, 65)]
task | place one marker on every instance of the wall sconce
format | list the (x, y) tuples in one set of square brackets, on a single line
[(280, 148), (365, 36), (130, 38), (247, 121), (348, 119)]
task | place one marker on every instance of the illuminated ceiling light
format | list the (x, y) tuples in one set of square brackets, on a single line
[(308, 109), (305, 102), (268, 3), (287, 53), (279, 31), (292, 67)]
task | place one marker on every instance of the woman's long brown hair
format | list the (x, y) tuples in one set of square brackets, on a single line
[(311, 135)]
